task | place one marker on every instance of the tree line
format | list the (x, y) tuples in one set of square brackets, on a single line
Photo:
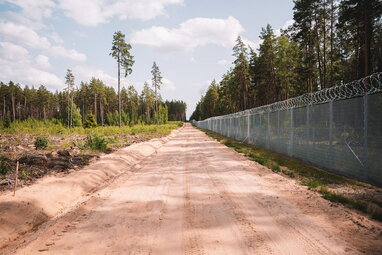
[(93, 102), (330, 43), (93, 97)]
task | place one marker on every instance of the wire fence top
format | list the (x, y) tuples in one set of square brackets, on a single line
[(365, 86)]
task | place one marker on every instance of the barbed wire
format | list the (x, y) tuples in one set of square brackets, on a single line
[(365, 86)]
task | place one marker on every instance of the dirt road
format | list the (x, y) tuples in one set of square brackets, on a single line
[(195, 196)]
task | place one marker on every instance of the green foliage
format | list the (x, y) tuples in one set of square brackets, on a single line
[(40, 142), (176, 110), (4, 167), (77, 118), (336, 198), (121, 52), (90, 121), (125, 118), (329, 43), (23, 174), (7, 122), (96, 142)]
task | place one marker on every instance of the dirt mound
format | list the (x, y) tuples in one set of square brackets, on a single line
[(52, 195)]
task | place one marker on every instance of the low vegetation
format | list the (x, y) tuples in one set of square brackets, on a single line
[(41, 142), (55, 128), (44, 147), (358, 195)]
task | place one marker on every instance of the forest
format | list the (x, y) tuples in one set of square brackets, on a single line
[(94, 101), (94, 97), (329, 43)]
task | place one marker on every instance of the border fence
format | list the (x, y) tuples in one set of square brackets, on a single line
[(338, 128)]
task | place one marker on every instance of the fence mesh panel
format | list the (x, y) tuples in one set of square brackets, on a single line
[(339, 129)]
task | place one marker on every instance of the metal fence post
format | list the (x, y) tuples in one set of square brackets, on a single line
[(331, 149), (229, 127), (365, 136), (248, 128), (291, 133)]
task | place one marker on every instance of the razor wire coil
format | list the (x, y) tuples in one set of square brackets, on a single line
[(365, 86)]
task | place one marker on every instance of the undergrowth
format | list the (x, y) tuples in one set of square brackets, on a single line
[(54, 127), (315, 178)]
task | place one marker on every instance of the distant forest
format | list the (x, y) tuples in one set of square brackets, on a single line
[(330, 43), (20, 103)]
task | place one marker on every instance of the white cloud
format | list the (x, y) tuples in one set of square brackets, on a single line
[(34, 9), (285, 26), (17, 64), (59, 51), (168, 84), (80, 34), (253, 45), (86, 73), (14, 52), (28, 37), (21, 19), (190, 34), (193, 60), (100, 11), (24, 35), (223, 62), (56, 37), (42, 61)]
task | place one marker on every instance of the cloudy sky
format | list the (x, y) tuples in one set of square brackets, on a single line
[(191, 40)]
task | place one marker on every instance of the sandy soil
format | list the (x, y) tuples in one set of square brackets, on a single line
[(196, 196)]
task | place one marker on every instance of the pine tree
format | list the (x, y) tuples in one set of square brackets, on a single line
[(241, 73), (156, 81), (121, 52), (69, 81)]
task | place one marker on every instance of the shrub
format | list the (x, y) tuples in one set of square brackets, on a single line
[(90, 121), (4, 167), (96, 142), (7, 122), (23, 174), (40, 142), (77, 117)]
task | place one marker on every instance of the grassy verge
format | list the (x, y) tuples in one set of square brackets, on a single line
[(315, 178), (55, 128), (43, 147)]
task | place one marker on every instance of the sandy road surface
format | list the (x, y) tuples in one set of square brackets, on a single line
[(195, 196)]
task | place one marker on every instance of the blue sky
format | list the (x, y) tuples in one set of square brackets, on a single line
[(191, 40)]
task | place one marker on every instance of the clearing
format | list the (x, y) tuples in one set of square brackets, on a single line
[(188, 195)]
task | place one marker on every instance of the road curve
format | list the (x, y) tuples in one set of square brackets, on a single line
[(195, 196)]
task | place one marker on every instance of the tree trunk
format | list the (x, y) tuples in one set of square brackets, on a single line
[(368, 27), (4, 109), (95, 105), (324, 48), (13, 107), (316, 31), (71, 110), (119, 93), (101, 111), (331, 41), (156, 105), (25, 108)]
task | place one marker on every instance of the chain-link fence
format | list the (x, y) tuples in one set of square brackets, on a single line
[(339, 128)]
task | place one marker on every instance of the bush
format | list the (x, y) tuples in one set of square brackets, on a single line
[(90, 121), (96, 142), (23, 174), (4, 167), (7, 122), (40, 142)]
